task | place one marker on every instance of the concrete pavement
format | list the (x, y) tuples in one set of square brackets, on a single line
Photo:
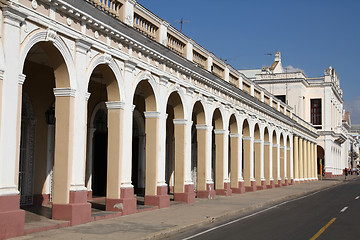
[(179, 217)]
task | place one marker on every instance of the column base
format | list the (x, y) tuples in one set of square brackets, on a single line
[(286, 183), (78, 211), (89, 194), (252, 187), (262, 185), (279, 184), (161, 200), (188, 196), (292, 182), (12, 219), (271, 185), (208, 193), (41, 199), (224, 192), (126, 204), (240, 189)]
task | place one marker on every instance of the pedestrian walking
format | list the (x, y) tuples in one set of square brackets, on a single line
[(346, 172)]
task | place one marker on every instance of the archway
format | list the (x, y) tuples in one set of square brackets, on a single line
[(200, 152), (267, 159), (257, 157), (248, 157), (45, 69), (282, 158), (320, 160), (276, 159)]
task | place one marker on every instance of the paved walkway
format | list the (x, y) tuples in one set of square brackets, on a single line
[(179, 217)]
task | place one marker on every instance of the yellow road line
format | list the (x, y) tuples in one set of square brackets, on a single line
[(323, 229)]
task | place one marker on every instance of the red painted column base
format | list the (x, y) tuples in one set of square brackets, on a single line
[(279, 184), (286, 183), (292, 182), (262, 185), (188, 196), (240, 189), (208, 193), (252, 187), (126, 204), (78, 211), (89, 195), (162, 199), (271, 185), (12, 219), (224, 192)]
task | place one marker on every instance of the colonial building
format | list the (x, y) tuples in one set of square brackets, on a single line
[(103, 99), (315, 100)]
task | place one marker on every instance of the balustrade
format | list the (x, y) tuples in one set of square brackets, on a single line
[(145, 27), (111, 7), (199, 59), (175, 44)]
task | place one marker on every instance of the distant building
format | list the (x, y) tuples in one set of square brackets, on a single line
[(317, 101)]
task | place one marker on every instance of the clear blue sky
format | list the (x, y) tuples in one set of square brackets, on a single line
[(310, 34)]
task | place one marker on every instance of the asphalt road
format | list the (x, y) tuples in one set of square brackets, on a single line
[(328, 214)]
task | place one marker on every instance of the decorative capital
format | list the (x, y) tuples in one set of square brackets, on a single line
[(64, 92), (220, 131), (22, 78), (115, 105), (235, 135), (179, 121), (152, 114)]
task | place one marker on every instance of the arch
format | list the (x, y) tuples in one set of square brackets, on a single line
[(105, 59), (217, 118), (199, 110), (175, 99), (62, 49), (151, 96), (246, 128)]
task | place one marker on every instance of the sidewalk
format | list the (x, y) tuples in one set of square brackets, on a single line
[(179, 217)]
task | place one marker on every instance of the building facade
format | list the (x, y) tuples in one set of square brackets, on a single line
[(317, 101), (102, 98)]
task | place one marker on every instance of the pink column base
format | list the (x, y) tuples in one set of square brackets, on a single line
[(279, 184), (271, 185), (286, 183), (262, 186), (208, 193), (292, 182), (126, 204), (188, 196), (12, 219), (89, 194), (162, 199), (240, 189), (252, 187), (224, 192), (78, 211)]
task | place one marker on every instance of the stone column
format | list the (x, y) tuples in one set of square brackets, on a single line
[(301, 160), (11, 217), (276, 165), (118, 198), (296, 159), (221, 187), (310, 161), (67, 205), (267, 159), (315, 155), (237, 183), (306, 160), (248, 146), (205, 189), (154, 195), (258, 152), (282, 163), (182, 192)]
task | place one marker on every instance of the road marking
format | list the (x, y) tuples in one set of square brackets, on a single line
[(323, 229), (344, 209), (253, 214), (357, 198)]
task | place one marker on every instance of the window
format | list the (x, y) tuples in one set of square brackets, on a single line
[(316, 112), (281, 98)]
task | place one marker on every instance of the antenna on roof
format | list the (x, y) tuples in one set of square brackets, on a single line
[(182, 21)]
